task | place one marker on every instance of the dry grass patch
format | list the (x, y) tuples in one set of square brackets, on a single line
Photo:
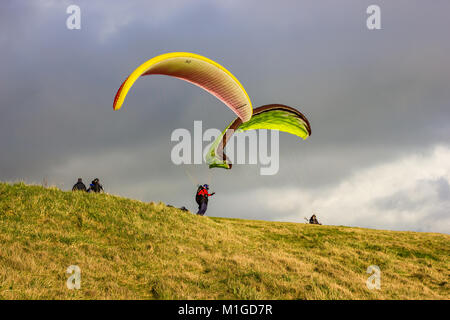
[(128, 249)]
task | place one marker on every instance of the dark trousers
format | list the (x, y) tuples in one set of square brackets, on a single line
[(202, 208)]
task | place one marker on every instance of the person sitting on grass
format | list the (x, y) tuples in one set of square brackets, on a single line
[(313, 220), (79, 186), (95, 186)]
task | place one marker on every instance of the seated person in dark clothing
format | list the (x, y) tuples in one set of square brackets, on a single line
[(79, 186), (95, 186), (313, 220)]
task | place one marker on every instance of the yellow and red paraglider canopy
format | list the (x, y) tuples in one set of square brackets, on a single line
[(196, 69)]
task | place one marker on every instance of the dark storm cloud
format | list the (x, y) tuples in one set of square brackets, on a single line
[(372, 96)]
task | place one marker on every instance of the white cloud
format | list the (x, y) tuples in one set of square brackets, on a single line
[(411, 193)]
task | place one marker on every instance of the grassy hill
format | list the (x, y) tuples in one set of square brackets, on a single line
[(128, 249)]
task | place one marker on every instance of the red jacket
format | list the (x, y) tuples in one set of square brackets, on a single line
[(204, 192)]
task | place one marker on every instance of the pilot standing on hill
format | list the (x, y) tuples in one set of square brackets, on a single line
[(202, 199)]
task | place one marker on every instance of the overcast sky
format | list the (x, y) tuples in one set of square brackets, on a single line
[(378, 102)]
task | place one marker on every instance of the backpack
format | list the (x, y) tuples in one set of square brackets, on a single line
[(96, 187), (199, 198)]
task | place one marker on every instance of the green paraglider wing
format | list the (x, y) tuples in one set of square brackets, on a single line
[(272, 117)]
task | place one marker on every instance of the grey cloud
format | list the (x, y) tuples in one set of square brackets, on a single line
[(372, 97), (410, 200), (398, 201)]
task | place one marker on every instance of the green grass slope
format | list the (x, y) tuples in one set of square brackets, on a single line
[(128, 249)]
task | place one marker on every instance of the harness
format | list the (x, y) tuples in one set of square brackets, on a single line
[(202, 195)]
